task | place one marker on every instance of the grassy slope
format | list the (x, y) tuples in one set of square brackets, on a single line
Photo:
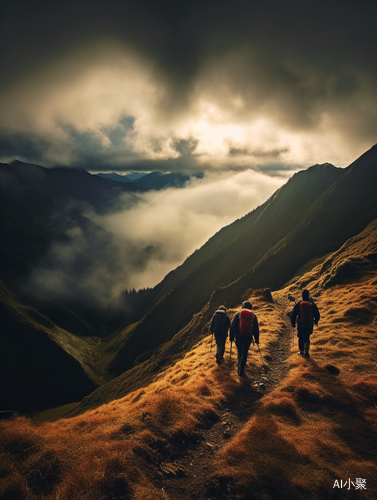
[(313, 214), (317, 426)]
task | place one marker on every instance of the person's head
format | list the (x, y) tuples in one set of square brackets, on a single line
[(305, 295), (246, 305), (222, 308)]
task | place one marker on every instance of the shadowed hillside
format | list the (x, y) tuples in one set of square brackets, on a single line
[(293, 428)]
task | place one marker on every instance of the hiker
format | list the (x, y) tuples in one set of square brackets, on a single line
[(243, 330), (220, 326), (306, 313)]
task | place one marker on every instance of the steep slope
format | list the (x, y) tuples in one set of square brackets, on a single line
[(341, 212), (309, 217), (254, 234), (293, 428)]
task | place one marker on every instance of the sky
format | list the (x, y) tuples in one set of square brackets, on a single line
[(199, 86), (245, 93)]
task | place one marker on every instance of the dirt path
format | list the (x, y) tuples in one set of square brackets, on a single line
[(186, 476)]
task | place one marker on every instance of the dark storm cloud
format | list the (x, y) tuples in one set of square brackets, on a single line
[(295, 78), (178, 33)]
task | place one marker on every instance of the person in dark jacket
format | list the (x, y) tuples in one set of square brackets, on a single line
[(243, 334), (305, 313), (220, 326)]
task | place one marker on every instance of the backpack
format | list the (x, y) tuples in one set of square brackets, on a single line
[(220, 322), (246, 322), (306, 313)]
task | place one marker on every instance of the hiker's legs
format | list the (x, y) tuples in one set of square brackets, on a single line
[(243, 348), (222, 346), (300, 343), (220, 342), (304, 341), (306, 344)]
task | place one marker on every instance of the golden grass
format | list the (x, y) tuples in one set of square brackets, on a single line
[(319, 425)]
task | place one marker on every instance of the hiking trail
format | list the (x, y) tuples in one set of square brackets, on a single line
[(185, 474)]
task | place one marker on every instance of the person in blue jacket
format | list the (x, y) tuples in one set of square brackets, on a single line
[(243, 330)]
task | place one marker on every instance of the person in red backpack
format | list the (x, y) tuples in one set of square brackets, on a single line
[(243, 330), (306, 313), (219, 326)]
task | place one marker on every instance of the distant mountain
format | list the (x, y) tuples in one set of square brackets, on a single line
[(38, 204), (133, 176), (152, 180), (63, 182), (313, 214), (130, 177)]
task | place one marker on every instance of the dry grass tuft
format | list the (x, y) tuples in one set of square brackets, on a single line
[(284, 408), (367, 388)]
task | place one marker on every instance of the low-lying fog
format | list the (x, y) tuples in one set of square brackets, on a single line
[(153, 236)]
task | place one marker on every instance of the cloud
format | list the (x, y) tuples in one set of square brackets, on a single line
[(87, 264), (124, 84), (173, 223)]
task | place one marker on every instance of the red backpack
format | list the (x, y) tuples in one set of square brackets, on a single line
[(306, 313), (246, 322)]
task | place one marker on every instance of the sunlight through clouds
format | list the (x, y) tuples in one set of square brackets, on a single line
[(103, 104)]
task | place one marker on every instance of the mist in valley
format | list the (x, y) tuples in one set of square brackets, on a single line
[(137, 244)]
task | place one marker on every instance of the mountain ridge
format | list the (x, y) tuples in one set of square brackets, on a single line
[(177, 425)]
